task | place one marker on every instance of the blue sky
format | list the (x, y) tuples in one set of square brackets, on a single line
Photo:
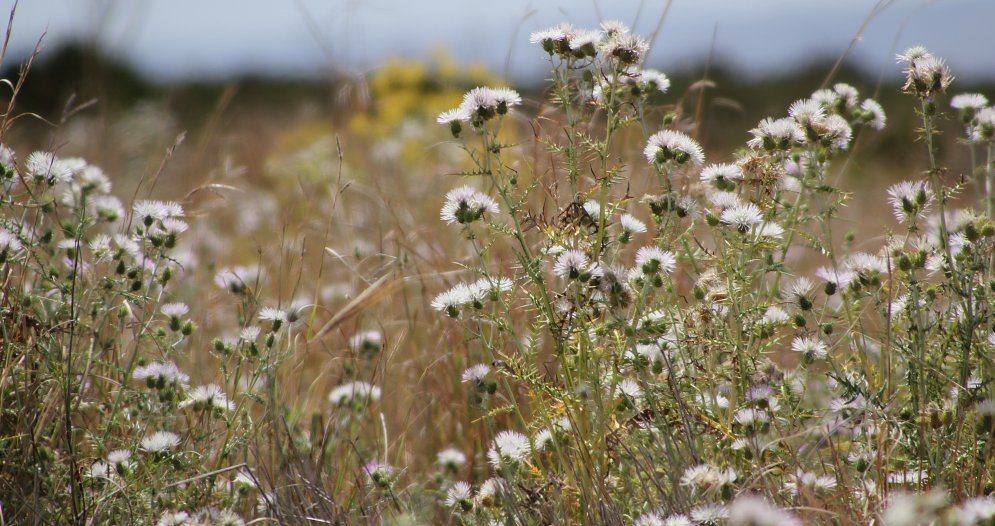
[(170, 39)]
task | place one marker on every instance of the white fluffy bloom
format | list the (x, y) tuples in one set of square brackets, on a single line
[(508, 447), (465, 205), (780, 134), (553, 35), (174, 310), (160, 442), (653, 80), (748, 510), (45, 165), (249, 334), (451, 458), (669, 145), (875, 116), (774, 315), (570, 264), (810, 347), (354, 391), (771, 230), (579, 39), (709, 514), (807, 111), (983, 127), (459, 114), (742, 216), (714, 173), (654, 259), (968, 101), (910, 200), (476, 373), (209, 396), (160, 374), (976, 510), (724, 200), (458, 493), (9, 242), (629, 389), (631, 224), (272, 314)]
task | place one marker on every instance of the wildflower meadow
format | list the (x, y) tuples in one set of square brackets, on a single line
[(568, 311)]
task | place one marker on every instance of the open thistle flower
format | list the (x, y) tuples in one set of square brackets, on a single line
[(160, 442), (354, 393), (926, 75), (451, 459), (465, 205), (668, 145), (45, 166), (742, 216), (451, 300), (554, 40), (773, 135), (208, 397), (571, 264), (982, 128), (454, 118), (652, 81), (482, 103), (709, 514), (631, 225), (653, 259), (584, 43), (508, 449), (910, 200), (872, 114), (626, 48), (722, 176), (810, 347), (968, 105), (159, 375), (460, 496), (749, 510)]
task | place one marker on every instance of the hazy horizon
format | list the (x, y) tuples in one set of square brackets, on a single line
[(313, 37)]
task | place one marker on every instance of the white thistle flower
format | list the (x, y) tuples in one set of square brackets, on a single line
[(465, 205), (448, 117), (873, 114), (983, 127), (652, 80), (458, 493), (742, 216), (570, 264), (160, 442), (810, 347), (910, 200), (653, 259), (721, 174), (160, 374), (508, 447), (174, 310), (780, 134), (669, 145), (249, 334), (45, 165), (354, 391), (476, 373), (209, 396), (631, 224), (748, 510), (451, 458), (968, 101), (709, 514)]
